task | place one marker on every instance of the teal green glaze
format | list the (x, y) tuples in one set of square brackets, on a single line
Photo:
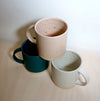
[(15, 58), (32, 63)]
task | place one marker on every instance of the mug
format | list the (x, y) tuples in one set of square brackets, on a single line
[(67, 72), (51, 36), (32, 61)]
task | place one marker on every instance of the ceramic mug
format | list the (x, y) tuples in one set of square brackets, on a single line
[(32, 61), (67, 71), (51, 36)]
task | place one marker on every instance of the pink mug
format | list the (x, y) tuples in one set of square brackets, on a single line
[(51, 37)]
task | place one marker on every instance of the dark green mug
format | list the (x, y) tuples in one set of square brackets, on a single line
[(32, 61)]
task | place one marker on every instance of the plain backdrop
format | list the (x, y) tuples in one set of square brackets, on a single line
[(82, 17)]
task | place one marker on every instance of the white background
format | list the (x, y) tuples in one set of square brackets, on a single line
[(82, 16)]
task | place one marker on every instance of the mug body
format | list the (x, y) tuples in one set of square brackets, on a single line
[(65, 70), (32, 61), (35, 63), (51, 48), (51, 37), (64, 79)]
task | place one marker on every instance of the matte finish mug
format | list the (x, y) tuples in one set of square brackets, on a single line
[(51, 36), (66, 71), (31, 60)]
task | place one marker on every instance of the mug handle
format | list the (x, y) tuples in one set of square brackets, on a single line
[(28, 34), (85, 76), (15, 58)]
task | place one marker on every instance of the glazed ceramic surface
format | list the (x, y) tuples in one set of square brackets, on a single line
[(51, 37), (66, 71), (32, 61)]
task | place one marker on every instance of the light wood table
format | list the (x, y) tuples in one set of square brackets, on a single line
[(18, 84)]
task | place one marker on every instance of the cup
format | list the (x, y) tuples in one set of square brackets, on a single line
[(51, 36), (32, 61), (67, 72)]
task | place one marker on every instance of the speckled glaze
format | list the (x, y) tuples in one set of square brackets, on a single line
[(66, 70), (51, 37)]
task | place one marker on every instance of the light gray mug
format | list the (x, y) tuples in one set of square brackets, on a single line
[(66, 71)]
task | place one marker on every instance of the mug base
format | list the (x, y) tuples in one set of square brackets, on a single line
[(39, 72), (62, 86), (50, 58)]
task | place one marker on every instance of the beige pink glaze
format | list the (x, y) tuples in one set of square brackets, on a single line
[(51, 37)]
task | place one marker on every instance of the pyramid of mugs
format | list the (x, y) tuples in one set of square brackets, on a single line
[(49, 44)]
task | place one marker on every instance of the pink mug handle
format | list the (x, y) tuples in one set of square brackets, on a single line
[(28, 34)]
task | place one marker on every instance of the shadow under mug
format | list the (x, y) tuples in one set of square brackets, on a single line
[(67, 72), (32, 61)]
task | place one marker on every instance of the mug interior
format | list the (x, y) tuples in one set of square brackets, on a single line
[(29, 48), (51, 27), (69, 62)]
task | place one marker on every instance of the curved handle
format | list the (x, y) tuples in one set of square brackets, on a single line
[(15, 58), (85, 76), (28, 34)]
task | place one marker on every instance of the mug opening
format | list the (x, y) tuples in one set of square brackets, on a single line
[(29, 48), (51, 27), (67, 63)]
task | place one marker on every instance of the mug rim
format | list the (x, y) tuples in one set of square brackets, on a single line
[(63, 71), (47, 19), (26, 53)]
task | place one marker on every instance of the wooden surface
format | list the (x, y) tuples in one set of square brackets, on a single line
[(18, 84)]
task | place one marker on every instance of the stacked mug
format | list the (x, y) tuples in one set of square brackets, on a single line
[(49, 44)]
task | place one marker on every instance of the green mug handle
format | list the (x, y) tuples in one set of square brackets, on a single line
[(15, 58)]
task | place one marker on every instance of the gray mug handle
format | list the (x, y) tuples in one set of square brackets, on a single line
[(85, 76)]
